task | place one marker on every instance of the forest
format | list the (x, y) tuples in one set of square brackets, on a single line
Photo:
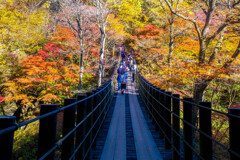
[(54, 49)]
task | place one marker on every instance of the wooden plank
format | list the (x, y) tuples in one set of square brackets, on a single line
[(146, 147), (166, 153), (115, 145), (131, 149), (100, 141)]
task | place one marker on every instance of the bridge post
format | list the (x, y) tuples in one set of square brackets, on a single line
[(95, 114), (142, 89), (234, 132), (158, 118), (147, 96), (6, 139), (168, 120), (89, 121), (205, 123), (162, 101), (100, 96), (155, 104), (81, 130), (104, 101), (138, 81), (176, 126), (68, 125), (103, 93), (187, 129), (47, 131), (144, 95), (109, 94), (97, 100), (151, 100)]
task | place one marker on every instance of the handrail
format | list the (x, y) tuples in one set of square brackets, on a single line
[(16, 126), (159, 104), (75, 128), (100, 108)]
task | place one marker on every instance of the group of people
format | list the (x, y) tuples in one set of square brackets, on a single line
[(127, 64)]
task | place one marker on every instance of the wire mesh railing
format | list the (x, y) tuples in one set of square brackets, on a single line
[(188, 138), (82, 119)]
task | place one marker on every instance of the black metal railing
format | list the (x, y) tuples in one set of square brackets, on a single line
[(174, 118), (83, 118)]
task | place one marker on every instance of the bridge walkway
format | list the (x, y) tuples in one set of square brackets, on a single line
[(128, 132)]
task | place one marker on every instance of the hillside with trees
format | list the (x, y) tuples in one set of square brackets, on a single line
[(51, 50)]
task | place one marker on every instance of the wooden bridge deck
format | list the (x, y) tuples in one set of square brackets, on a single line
[(128, 132)]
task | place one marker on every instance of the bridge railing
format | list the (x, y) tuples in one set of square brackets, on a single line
[(174, 118), (82, 120)]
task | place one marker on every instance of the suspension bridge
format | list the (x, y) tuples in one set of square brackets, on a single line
[(145, 123)]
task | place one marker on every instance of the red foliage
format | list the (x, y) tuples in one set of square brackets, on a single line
[(149, 31), (50, 46), (94, 52), (51, 50), (1, 99)]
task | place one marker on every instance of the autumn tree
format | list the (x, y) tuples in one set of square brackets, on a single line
[(74, 14), (102, 14), (214, 19), (47, 77), (170, 19)]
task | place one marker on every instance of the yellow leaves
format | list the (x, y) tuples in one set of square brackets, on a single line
[(2, 62), (46, 4), (24, 80), (130, 11), (22, 97), (69, 56), (10, 2), (116, 25), (20, 26), (49, 98)]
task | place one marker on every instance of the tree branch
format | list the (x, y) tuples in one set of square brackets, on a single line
[(186, 18), (165, 11), (208, 17), (218, 45), (234, 56), (219, 30), (73, 29), (71, 26)]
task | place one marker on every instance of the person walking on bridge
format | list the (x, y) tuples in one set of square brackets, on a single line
[(134, 68), (123, 55), (123, 80)]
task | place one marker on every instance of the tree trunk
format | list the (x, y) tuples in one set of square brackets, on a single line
[(201, 84), (81, 69), (81, 56), (199, 88), (217, 47), (202, 51), (101, 56), (170, 43)]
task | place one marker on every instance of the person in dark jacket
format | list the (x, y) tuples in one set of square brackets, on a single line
[(134, 68), (123, 80)]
